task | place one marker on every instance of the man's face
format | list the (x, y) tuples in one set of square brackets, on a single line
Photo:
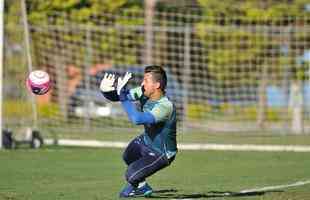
[(150, 86)]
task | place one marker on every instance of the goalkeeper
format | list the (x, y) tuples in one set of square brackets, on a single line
[(156, 147)]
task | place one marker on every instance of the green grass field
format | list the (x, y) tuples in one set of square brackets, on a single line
[(97, 173)]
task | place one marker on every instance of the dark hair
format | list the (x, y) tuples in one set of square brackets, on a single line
[(158, 74)]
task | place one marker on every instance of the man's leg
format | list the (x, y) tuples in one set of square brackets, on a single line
[(144, 167), (132, 153)]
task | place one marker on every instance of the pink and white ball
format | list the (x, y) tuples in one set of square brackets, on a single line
[(39, 82)]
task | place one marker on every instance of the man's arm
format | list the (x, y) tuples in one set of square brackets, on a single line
[(133, 94), (134, 115)]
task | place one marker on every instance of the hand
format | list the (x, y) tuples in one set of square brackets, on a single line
[(121, 82), (107, 82)]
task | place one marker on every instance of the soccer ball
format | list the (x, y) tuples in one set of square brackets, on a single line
[(38, 82)]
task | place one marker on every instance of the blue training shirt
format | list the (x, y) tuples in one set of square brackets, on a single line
[(161, 135)]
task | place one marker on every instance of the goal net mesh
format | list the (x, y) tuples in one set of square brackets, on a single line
[(224, 75)]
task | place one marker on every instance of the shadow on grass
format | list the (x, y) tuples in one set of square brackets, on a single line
[(173, 193)]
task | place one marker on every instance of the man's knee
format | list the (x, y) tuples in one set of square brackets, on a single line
[(126, 157)]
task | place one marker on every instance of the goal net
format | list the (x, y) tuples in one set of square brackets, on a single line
[(224, 75)]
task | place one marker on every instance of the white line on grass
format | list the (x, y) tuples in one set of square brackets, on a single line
[(276, 187), (184, 146), (258, 190)]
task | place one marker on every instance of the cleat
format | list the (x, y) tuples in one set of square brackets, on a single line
[(145, 190), (128, 191)]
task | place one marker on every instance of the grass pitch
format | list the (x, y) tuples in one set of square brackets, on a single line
[(93, 174)]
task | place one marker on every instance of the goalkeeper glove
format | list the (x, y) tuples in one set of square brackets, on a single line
[(107, 82), (122, 82)]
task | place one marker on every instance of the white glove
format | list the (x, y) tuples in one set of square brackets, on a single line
[(121, 82), (107, 82)]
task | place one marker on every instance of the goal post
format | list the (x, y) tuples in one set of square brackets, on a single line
[(17, 104), (28, 58), (1, 65)]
